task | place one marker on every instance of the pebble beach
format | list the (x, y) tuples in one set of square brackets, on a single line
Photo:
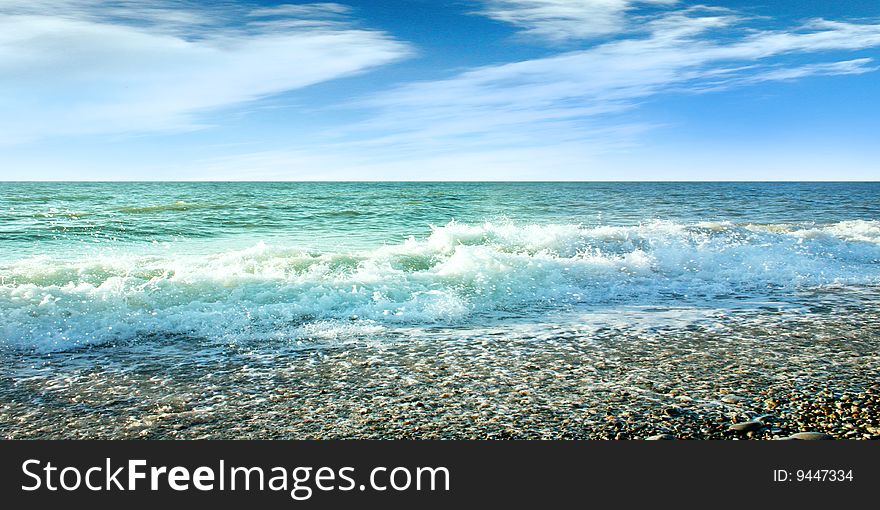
[(731, 377)]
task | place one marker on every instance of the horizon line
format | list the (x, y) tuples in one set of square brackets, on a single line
[(342, 181)]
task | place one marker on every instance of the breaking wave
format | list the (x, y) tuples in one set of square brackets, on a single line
[(460, 274)]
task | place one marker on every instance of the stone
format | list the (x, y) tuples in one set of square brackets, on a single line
[(746, 426), (811, 436)]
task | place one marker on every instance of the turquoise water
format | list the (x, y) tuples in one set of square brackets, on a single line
[(312, 263)]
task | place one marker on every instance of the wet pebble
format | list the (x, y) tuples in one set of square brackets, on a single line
[(811, 436), (746, 426)]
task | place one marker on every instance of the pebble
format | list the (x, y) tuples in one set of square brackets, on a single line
[(434, 389), (746, 426), (811, 436)]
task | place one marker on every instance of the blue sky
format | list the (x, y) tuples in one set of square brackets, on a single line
[(439, 90)]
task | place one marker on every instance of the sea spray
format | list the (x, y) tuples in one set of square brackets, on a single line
[(459, 274)]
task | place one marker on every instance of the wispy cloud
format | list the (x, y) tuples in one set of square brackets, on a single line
[(562, 20), (728, 79), (305, 10), (74, 67), (574, 97), (88, 66)]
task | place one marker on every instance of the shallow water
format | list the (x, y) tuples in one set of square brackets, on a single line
[(120, 300)]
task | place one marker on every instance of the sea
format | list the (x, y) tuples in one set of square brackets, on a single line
[(96, 278)]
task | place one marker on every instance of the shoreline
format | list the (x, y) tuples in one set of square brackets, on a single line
[(809, 372)]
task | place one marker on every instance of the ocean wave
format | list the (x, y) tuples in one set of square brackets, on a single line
[(459, 273), (178, 206)]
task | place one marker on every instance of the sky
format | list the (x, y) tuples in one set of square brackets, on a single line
[(440, 90)]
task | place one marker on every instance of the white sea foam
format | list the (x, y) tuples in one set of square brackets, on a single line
[(855, 230), (459, 274)]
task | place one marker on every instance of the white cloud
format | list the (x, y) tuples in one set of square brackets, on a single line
[(560, 20), (854, 66), (306, 10), (93, 67), (121, 66), (575, 96), (558, 116)]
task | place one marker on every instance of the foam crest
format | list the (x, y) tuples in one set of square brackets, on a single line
[(459, 274), (855, 230)]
